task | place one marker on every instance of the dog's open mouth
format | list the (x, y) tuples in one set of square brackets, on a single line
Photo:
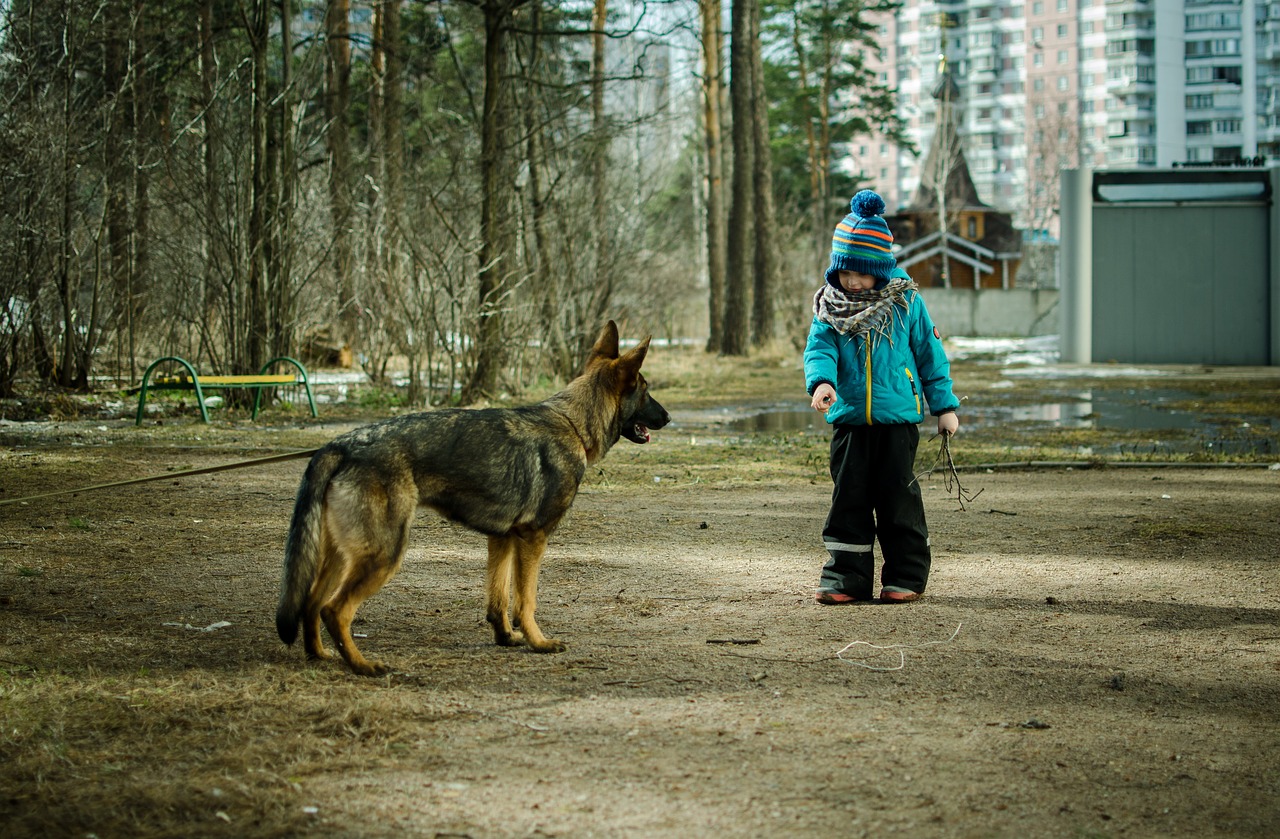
[(638, 433)]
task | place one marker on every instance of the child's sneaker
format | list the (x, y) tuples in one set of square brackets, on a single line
[(834, 598), (893, 594)]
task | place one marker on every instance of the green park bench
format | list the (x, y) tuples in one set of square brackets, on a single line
[(190, 380)]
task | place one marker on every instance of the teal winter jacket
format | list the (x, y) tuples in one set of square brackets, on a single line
[(889, 379)]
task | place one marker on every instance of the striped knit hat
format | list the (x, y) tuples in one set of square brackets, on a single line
[(862, 242)]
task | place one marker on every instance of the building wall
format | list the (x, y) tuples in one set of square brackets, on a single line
[(1018, 312)]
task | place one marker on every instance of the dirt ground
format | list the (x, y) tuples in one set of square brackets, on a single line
[(1098, 654)]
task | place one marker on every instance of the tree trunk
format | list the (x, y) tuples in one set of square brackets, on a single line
[(711, 93), (63, 373), (555, 343), (740, 211), (253, 354), (284, 171), (390, 142), (337, 101), (602, 287), (764, 265), (117, 149), (490, 353)]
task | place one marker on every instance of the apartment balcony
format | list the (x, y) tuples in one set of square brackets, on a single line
[(1130, 112), (1126, 85), (1121, 6)]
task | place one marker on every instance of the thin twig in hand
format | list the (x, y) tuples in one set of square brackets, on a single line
[(950, 476)]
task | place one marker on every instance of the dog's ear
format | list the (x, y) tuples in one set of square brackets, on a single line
[(630, 363), (607, 342)]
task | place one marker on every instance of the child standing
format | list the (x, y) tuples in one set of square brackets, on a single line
[(873, 353)]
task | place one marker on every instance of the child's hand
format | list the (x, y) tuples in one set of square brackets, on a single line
[(824, 396), (948, 423)]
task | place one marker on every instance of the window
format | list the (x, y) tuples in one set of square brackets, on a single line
[(1062, 30), (1199, 127), (1062, 56), (1038, 59), (1226, 74), (1226, 126), (1214, 20), (1037, 85), (1039, 111), (1064, 83), (1199, 101), (1064, 108), (1062, 5), (1037, 34)]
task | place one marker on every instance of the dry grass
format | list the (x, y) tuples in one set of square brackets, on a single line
[(113, 724)]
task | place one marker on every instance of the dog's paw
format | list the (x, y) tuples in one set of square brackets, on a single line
[(509, 639), (370, 668), (550, 645)]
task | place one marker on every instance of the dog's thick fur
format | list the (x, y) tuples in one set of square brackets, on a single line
[(509, 473)]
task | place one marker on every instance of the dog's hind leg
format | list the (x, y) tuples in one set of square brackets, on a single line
[(339, 614), (370, 540), (497, 581), (331, 575), (529, 548)]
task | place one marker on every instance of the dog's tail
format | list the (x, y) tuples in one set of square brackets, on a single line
[(302, 547)]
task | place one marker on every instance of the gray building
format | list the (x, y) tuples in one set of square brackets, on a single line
[(1053, 84)]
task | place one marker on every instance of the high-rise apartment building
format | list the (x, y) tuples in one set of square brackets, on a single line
[(1047, 84)]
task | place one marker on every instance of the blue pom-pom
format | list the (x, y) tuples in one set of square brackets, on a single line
[(867, 204)]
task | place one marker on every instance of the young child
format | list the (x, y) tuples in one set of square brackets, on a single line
[(873, 354)]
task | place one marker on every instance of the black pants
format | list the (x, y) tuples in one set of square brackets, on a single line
[(876, 496)]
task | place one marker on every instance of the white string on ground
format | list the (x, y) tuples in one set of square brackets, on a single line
[(899, 648)]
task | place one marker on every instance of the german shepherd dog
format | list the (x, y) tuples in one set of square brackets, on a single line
[(509, 473)]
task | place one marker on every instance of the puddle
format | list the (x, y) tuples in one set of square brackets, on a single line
[(1111, 410)]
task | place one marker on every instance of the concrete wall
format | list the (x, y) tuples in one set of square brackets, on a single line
[(1017, 312)]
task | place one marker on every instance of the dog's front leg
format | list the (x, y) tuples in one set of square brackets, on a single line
[(502, 554), (529, 550)]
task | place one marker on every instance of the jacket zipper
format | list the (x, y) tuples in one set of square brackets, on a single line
[(867, 344), (914, 392)]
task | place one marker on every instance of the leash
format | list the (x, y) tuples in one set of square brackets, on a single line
[(240, 464)]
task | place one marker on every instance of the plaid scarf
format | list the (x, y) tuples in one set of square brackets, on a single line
[(870, 313)]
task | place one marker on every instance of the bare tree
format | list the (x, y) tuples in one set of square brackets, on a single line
[(1053, 145), (712, 52), (337, 102), (490, 350), (736, 324), (764, 262)]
